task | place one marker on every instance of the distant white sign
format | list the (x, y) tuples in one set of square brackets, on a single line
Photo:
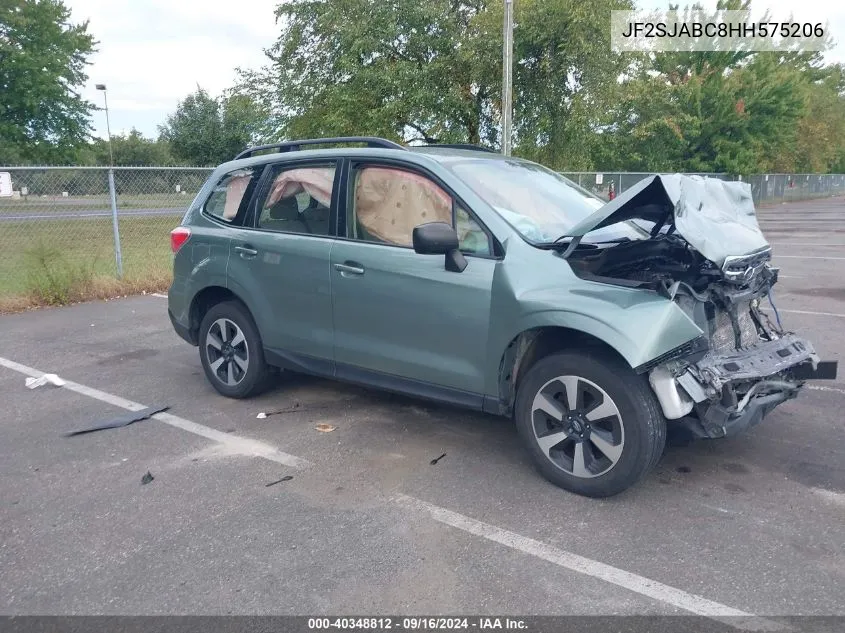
[(5, 184), (599, 179)]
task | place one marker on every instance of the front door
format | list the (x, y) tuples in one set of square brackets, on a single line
[(400, 315)]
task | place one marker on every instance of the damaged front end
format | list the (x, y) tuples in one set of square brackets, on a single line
[(706, 253)]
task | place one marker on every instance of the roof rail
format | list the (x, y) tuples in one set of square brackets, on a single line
[(293, 146), (477, 148)]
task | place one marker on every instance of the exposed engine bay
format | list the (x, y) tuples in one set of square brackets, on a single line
[(744, 364)]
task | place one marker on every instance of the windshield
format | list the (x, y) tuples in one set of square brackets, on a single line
[(537, 202)]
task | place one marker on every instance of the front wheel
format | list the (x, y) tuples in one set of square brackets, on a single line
[(591, 424)]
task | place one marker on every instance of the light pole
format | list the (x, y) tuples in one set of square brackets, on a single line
[(507, 78), (108, 127), (118, 257)]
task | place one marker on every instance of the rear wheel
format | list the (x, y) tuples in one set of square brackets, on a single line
[(591, 424), (231, 352)]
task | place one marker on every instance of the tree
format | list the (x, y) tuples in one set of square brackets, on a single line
[(208, 131), (431, 71), (733, 111), (43, 56), (820, 137), (565, 77), (129, 149), (402, 70)]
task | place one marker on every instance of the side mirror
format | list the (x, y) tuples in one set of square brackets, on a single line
[(439, 238)]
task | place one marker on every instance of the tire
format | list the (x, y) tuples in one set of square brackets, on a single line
[(608, 441), (237, 369)]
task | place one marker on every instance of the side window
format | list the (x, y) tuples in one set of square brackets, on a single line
[(299, 201), (471, 237), (231, 195), (387, 203)]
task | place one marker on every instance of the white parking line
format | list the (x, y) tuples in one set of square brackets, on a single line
[(613, 575), (805, 257), (232, 443), (829, 495), (158, 294), (823, 388), (833, 314)]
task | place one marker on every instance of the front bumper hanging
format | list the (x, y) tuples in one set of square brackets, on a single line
[(769, 373)]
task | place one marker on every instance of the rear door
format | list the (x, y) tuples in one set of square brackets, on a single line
[(400, 315), (282, 259)]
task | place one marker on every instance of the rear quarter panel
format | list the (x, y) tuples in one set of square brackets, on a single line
[(203, 259)]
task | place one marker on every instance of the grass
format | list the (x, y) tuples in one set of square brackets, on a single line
[(56, 262)]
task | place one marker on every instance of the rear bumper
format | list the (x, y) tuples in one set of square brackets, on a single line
[(182, 330)]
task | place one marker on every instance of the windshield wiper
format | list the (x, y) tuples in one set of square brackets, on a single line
[(574, 242), (564, 240)]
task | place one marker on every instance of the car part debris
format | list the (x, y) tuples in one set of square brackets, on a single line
[(267, 414), (124, 419), (278, 481), (51, 379), (437, 459), (325, 428), (147, 478)]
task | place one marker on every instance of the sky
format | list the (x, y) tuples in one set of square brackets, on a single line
[(153, 53)]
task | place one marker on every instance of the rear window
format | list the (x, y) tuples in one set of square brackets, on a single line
[(231, 195)]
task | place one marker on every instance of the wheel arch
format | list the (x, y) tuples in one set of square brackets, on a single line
[(206, 299), (535, 343)]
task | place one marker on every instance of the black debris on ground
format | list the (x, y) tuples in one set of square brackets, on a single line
[(125, 419), (278, 481)]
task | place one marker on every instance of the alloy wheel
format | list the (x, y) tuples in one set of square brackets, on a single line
[(577, 426), (227, 351)]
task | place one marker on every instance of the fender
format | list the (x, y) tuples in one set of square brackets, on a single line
[(639, 333)]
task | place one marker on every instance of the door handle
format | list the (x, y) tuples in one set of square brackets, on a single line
[(246, 252), (350, 268)]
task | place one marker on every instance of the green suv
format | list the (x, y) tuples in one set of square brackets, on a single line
[(484, 281)]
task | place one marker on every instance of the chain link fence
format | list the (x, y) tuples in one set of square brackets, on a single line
[(69, 231), (765, 188), (73, 231)]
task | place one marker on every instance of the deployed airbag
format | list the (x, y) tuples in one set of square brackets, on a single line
[(389, 203)]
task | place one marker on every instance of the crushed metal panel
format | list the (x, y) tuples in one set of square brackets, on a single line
[(715, 216)]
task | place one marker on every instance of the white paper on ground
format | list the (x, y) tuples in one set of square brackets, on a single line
[(51, 379)]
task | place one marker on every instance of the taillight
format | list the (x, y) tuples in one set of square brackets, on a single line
[(178, 237)]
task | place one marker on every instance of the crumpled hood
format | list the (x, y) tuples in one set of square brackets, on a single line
[(715, 216)]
